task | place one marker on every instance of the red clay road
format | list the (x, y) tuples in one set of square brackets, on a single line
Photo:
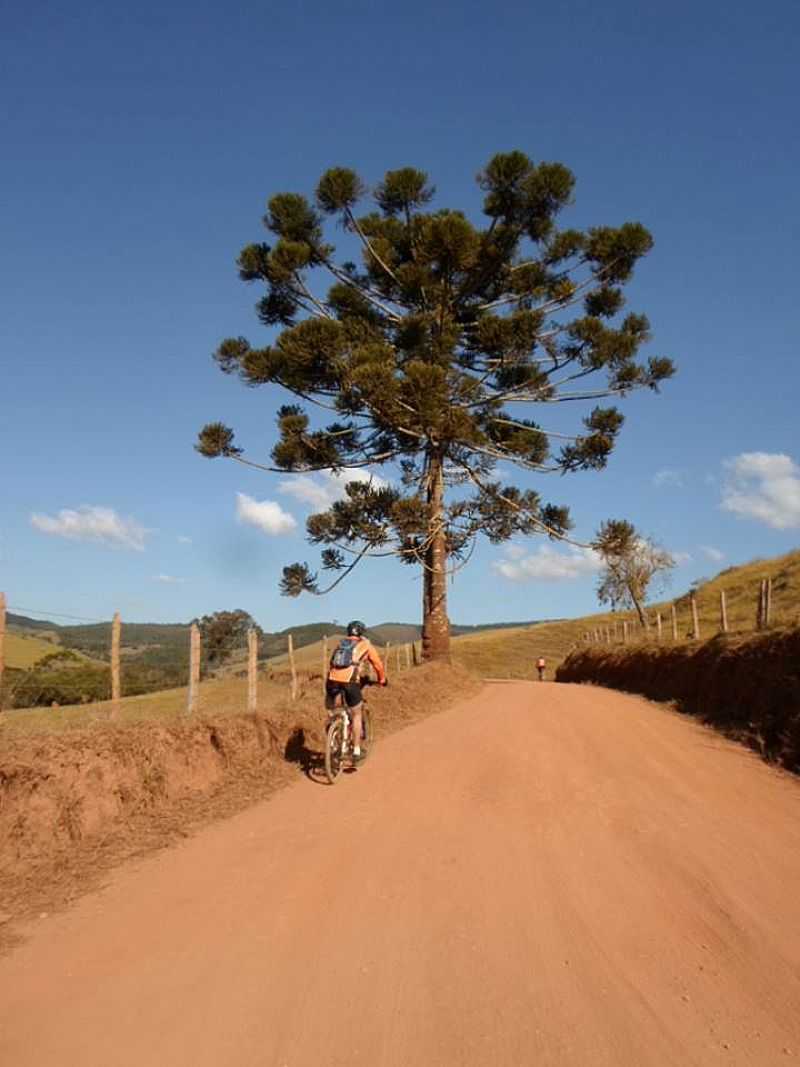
[(545, 875)]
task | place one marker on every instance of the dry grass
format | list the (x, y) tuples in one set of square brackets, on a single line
[(22, 652), (221, 697), (741, 585), (226, 695), (513, 653)]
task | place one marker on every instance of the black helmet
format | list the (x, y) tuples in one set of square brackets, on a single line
[(355, 628)]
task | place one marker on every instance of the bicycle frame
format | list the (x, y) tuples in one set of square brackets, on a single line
[(341, 710)]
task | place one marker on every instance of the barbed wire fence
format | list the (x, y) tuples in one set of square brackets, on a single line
[(241, 664), (683, 621)]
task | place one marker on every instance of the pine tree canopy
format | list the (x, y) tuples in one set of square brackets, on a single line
[(433, 354)]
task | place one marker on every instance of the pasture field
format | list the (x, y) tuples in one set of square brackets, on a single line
[(23, 652)]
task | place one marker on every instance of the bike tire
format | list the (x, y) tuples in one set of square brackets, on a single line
[(334, 743)]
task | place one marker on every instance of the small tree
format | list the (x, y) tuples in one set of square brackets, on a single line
[(631, 563), (223, 633), (418, 357)]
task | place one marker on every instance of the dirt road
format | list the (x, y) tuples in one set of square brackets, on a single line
[(547, 875)]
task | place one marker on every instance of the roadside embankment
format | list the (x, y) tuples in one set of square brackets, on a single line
[(748, 687), (75, 802)]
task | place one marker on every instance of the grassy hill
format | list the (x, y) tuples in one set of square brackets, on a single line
[(512, 653), (741, 585), (504, 650), (167, 644), (23, 651)]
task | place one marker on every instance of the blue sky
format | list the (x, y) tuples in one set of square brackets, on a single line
[(140, 145)]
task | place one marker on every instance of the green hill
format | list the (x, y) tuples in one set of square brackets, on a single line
[(23, 651)]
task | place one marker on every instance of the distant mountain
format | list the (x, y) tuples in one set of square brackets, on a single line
[(162, 644)]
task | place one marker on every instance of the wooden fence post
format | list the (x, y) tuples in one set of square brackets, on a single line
[(414, 655), (624, 632), (2, 644), (695, 620), (292, 668), (194, 667), (674, 613), (658, 625), (115, 686), (408, 657), (325, 665), (252, 670), (723, 611), (768, 601)]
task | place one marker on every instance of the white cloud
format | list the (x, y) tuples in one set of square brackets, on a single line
[(266, 515), (514, 551), (549, 565), (320, 491), (681, 558), (184, 540), (668, 479), (764, 486), (92, 523), (715, 554), (168, 579)]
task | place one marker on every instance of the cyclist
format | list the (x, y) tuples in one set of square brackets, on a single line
[(540, 666), (344, 676)]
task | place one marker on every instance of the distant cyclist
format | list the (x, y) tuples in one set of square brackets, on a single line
[(344, 675)]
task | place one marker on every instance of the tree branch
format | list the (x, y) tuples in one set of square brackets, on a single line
[(357, 227), (557, 535)]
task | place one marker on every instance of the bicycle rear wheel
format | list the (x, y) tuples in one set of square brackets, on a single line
[(334, 745)]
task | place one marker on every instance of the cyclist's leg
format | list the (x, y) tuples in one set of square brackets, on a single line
[(352, 695), (333, 695)]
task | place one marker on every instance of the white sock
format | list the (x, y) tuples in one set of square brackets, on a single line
[(356, 750)]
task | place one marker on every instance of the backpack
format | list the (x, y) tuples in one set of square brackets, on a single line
[(343, 657)]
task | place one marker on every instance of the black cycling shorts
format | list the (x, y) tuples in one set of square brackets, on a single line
[(350, 690)]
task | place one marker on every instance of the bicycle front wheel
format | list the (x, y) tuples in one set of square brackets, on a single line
[(334, 746)]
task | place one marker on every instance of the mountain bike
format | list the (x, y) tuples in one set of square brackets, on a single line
[(339, 735)]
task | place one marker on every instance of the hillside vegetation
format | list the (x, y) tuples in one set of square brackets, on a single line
[(512, 653), (22, 652), (497, 651)]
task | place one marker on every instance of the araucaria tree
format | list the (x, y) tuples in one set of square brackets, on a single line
[(223, 633), (428, 357), (631, 564)]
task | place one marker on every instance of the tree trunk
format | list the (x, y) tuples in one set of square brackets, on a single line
[(639, 610), (435, 624)]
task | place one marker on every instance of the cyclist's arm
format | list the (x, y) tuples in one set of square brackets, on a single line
[(376, 662)]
